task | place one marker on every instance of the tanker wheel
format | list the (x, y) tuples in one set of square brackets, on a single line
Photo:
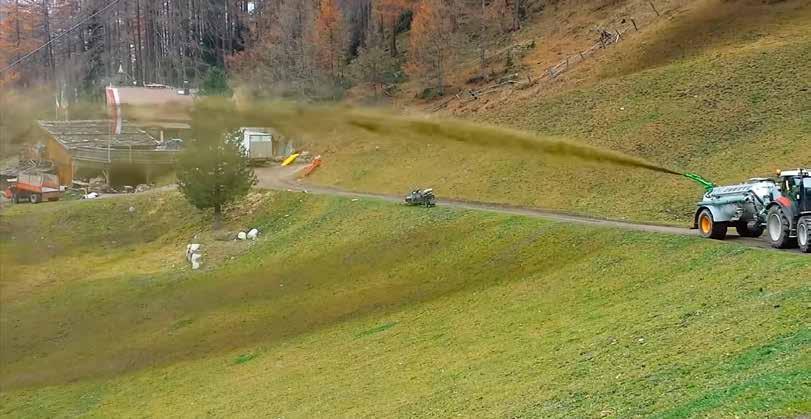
[(744, 230), (34, 198), (804, 235), (709, 228), (779, 229)]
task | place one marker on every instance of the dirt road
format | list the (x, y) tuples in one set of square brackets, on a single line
[(284, 178)]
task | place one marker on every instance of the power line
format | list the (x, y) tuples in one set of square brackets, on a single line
[(60, 36)]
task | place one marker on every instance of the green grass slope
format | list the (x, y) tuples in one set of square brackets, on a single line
[(718, 88), (364, 308)]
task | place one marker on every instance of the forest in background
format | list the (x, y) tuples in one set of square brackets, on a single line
[(313, 49)]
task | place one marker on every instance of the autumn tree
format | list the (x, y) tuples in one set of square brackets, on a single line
[(432, 43), (331, 39), (373, 64), (280, 62), (390, 12), (18, 35), (508, 13)]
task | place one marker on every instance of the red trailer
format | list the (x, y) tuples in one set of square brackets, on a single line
[(35, 188)]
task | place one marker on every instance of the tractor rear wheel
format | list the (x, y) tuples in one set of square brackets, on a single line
[(709, 228), (804, 234), (744, 230), (779, 229)]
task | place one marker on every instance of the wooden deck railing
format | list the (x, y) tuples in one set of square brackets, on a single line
[(100, 155)]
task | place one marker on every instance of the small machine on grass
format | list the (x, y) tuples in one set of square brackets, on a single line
[(781, 207), (421, 197)]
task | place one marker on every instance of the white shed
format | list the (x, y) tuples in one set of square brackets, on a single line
[(258, 143)]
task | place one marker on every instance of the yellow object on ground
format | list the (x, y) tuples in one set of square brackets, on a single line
[(290, 159)]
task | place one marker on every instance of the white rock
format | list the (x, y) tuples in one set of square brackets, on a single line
[(253, 234), (242, 235), (196, 260), (192, 249), (194, 255)]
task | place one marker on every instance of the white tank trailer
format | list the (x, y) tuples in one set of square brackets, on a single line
[(780, 206)]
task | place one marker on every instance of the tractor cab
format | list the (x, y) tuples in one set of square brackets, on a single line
[(789, 217), (795, 186)]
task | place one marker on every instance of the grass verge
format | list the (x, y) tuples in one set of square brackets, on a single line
[(366, 308)]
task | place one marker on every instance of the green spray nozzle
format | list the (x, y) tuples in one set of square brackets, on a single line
[(700, 180)]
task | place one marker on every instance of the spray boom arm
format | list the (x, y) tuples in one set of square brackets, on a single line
[(708, 186)]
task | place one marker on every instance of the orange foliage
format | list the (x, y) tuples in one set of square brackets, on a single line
[(389, 12), (16, 28), (330, 38), (431, 43)]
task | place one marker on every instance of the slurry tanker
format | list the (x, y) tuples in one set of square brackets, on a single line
[(779, 206)]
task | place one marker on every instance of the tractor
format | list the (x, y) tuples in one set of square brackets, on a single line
[(421, 197), (781, 206), (788, 220), (35, 188)]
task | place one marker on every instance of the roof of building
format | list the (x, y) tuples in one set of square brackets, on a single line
[(97, 134), (150, 106), (149, 96)]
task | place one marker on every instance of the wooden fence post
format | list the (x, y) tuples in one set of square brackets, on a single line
[(652, 6), (634, 22)]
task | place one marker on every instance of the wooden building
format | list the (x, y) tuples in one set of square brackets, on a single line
[(89, 148)]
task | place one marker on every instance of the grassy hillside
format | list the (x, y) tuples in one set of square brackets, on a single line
[(365, 308), (718, 88)]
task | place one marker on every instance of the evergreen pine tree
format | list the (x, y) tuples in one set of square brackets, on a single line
[(213, 169)]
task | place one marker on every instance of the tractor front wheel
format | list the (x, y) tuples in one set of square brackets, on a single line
[(779, 229), (804, 234), (709, 228)]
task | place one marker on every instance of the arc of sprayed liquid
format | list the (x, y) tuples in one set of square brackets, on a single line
[(308, 119), (486, 135)]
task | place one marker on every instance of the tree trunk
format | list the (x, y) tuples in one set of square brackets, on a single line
[(138, 51), (482, 39), (516, 15), (394, 37), (217, 217), (47, 26), (17, 27)]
